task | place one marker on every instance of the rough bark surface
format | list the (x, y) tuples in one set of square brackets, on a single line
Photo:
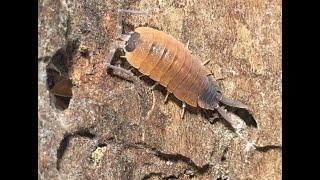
[(115, 129)]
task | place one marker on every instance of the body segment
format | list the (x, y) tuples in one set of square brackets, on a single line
[(168, 62)]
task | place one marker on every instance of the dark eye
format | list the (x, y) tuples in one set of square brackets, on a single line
[(132, 42)]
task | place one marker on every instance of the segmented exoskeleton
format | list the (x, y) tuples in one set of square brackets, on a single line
[(170, 63)]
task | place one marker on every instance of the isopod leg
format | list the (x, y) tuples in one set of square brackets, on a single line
[(154, 86), (120, 44), (118, 71), (183, 109), (142, 75), (205, 62), (115, 45), (123, 73), (187, 45), (166, 98), (132, 12)]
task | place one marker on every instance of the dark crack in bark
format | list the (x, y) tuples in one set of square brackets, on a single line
[(175, 157), (152, 174), (223, 157), (267, 148), (66, 139), (247, 117), (160, 175)]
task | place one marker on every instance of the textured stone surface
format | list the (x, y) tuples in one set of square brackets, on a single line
[(115, 129)]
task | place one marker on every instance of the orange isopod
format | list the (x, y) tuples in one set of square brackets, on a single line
[(169, 63)]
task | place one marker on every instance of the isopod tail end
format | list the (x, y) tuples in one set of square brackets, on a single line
[(229, 122), (213, 104), (223, 113), (233, 103)]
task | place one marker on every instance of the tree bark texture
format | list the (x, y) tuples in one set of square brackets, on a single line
[(110, 128)]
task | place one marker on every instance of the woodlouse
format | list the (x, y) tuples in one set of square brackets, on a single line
[(170, 63)]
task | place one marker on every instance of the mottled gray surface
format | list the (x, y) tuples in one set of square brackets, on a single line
[(115, 129)]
